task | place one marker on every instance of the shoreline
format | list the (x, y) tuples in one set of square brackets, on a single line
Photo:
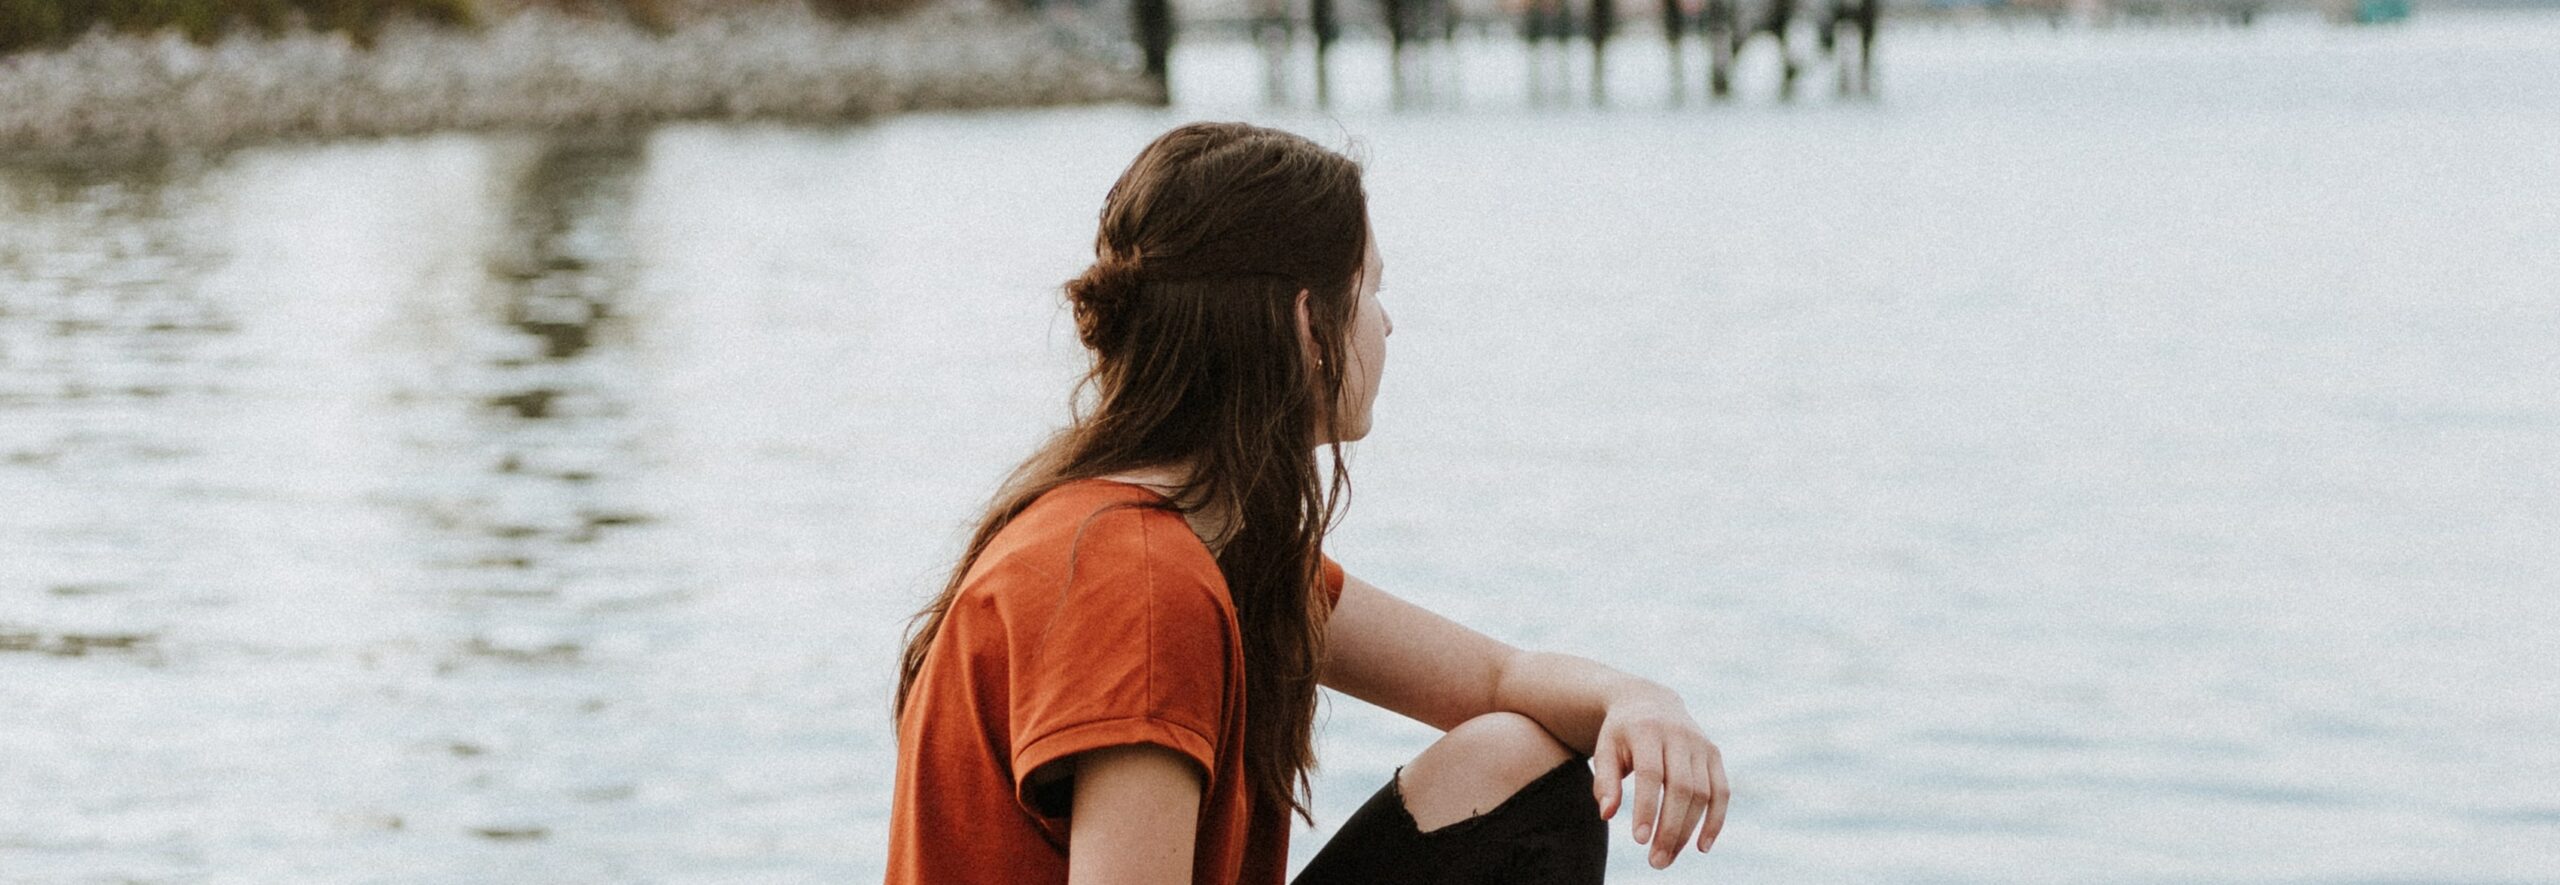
[(540, 70)]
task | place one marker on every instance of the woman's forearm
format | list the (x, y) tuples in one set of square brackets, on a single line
[(1636, 732), (1570, 695)]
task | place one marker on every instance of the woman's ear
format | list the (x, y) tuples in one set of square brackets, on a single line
[(1307, 334)]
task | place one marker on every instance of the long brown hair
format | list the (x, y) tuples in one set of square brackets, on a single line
[(1190, 310)]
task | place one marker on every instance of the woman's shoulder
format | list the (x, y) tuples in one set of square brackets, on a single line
[(1097, 530), (1092, 507)]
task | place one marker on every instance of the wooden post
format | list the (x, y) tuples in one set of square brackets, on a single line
[(1275, 32), (1673, 26), (1865, 13), (1782, 16), (1721, 25), (1153, 21), (1603, 21), (1320, 16), (1400, 25)]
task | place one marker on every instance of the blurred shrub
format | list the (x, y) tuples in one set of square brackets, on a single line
[(32, 24), (658, 16), (29, 24), (861, 9)]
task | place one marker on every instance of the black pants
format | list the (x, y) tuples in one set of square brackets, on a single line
[(1548, 832)]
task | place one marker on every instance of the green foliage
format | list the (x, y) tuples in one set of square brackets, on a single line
[(36, 24), (860, 9), (31, 24)]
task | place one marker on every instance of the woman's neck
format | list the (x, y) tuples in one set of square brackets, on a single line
[(1168, 480)]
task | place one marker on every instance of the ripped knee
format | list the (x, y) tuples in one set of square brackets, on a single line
[(1508, 736), (1476, 766)]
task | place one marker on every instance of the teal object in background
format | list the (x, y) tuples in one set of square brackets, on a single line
[(2370, 12)]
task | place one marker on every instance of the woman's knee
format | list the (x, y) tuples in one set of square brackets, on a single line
[(1476, 766)]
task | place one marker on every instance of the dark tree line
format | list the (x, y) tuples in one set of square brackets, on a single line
[(31, 24), (39, 24)]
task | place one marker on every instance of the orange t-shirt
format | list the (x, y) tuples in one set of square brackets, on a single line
[(1036, 661)]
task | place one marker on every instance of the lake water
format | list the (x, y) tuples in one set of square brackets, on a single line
[(2123, 455)]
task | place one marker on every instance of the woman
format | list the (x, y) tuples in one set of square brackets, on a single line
[(1118, 682)]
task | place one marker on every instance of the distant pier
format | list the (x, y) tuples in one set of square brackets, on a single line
[(1841, 32)]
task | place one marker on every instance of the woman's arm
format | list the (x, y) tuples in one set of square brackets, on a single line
[(1397, 655), (1136, 817)]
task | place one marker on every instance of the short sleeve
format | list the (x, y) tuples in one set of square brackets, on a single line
[(1332, 583), (1133, 647)]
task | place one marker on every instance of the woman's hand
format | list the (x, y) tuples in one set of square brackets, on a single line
[(1678, 775), (1397, 655)]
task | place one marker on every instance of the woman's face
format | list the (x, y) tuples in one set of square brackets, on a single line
[(1367, 352)]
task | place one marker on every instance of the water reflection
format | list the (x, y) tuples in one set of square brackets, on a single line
[(521, 494), (566, 259), (98, 302), (528, 435), (73, 645), (102, 320)]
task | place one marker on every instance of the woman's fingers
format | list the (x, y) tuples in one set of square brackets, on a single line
[(1647, 787), (1682, 796), (1608, 769), (1678, 783), (1720, 795)]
